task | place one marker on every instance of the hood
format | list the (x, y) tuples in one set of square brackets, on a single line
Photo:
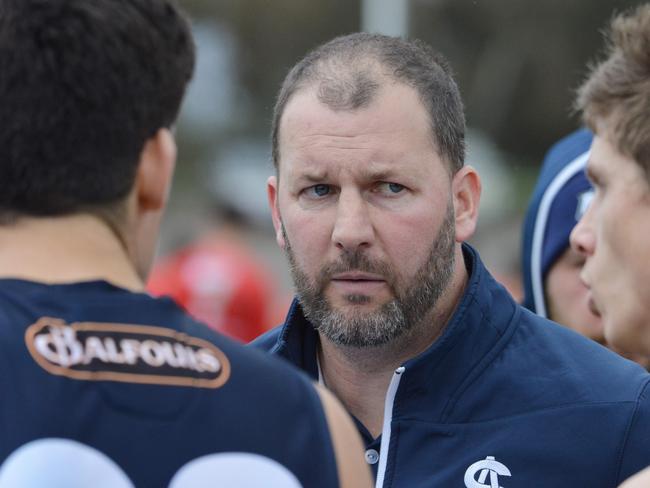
[(559, 199)]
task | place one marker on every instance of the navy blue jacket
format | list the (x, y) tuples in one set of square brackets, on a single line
[(104, 387), (502, 398)]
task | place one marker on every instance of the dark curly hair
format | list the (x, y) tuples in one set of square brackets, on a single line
[(83, 85)]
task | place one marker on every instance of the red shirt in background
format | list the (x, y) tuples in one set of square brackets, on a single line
[(221, 283)]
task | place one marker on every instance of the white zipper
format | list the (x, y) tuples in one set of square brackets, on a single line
[(388, 418)]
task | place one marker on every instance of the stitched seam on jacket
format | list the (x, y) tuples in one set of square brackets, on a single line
[(481, 366)]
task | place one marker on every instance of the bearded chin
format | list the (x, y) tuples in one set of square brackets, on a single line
[(359, 329), (362, 328)]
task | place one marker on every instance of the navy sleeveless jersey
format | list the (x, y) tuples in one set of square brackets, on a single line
[(105, 387)]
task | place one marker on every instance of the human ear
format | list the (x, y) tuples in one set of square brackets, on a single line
[(466, 194), (155, 171), (272, 193)]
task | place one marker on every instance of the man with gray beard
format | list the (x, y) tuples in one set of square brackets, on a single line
[(395, 318), (449, 380)]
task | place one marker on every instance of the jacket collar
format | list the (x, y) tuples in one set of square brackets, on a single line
[(432, 382), (298, 341)]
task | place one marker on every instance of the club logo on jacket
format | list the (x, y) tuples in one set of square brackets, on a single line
[(485, 468), (127, 353)]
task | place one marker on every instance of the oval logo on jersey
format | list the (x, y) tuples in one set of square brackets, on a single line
[(124, 352)]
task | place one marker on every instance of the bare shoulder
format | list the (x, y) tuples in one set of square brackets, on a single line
[(352, 468), (639, 480)]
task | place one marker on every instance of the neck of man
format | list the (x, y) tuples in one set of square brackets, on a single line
[(360, 377), (68, 249)]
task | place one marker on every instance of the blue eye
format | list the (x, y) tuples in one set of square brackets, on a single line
[(389, 189), (320, 190)]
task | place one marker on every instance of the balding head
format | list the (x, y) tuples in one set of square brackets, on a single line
[(347, 72)]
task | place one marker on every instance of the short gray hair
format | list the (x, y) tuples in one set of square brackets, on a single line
[(347, 72)]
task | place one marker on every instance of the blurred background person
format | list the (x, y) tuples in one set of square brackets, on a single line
[(551, 268), (219, 281), (221, 278)]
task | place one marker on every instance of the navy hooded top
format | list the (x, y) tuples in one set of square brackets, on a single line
[(560, 197)]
